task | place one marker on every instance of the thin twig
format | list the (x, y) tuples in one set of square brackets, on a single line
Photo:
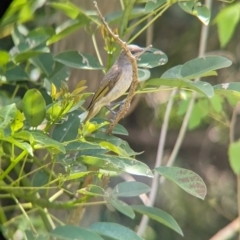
[(132, 59), (144, 221), (228, 231)]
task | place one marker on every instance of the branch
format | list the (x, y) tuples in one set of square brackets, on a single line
[(228, 231), (132, 59)]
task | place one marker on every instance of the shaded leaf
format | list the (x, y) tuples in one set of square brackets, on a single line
[(78, 60), (68, 232), (152, 59), (44, 62), (122, 207), (40, 178), (196, 9), (114, 231), (198, 66), (152, 5), (43, 141), (158, 215), (13, 73), (128, 165), (130, 189), (186, 179), (68, 129), (60, 73), (199, 86)]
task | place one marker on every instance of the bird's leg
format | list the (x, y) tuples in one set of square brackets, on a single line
[(108, 107), (121, 104), (127, 107)]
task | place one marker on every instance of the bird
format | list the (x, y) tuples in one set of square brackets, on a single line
[(115, 83)]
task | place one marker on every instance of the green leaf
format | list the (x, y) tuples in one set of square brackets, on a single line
[(130, 189), (228, 89), (202, 13), (23, 145), (199, 111), (40, 178), (68, 27), (66, 7), (76, 175), (128, 165), (98, 137), (151, 5), (7, 115), (116, 17), (24, 135), (73, 11), (80, 146), (13, 73), (227, 20), (114, 231), (60, 73), (152, 59), (43, 141), (158, 215), (186, 179), (112, 148), (69, 232), (143, 74), (234, 156), (187, 6), (78, 60), (216, 102), (93, 190), (119, 129), (122, 207), (34, 44), (34, 107), (68, 129), (199, 66), (26, 55), (44, 62), (5, 57), (128, 149), (196, 9), (199, 86)]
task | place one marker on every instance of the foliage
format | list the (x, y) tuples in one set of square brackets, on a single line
[(43, 128)]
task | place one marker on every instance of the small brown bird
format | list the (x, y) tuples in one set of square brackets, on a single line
[(115, 83)]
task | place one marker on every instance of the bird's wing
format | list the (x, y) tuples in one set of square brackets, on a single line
[(106, 85)]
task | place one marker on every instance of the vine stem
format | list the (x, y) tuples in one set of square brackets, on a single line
[(202, 48)]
